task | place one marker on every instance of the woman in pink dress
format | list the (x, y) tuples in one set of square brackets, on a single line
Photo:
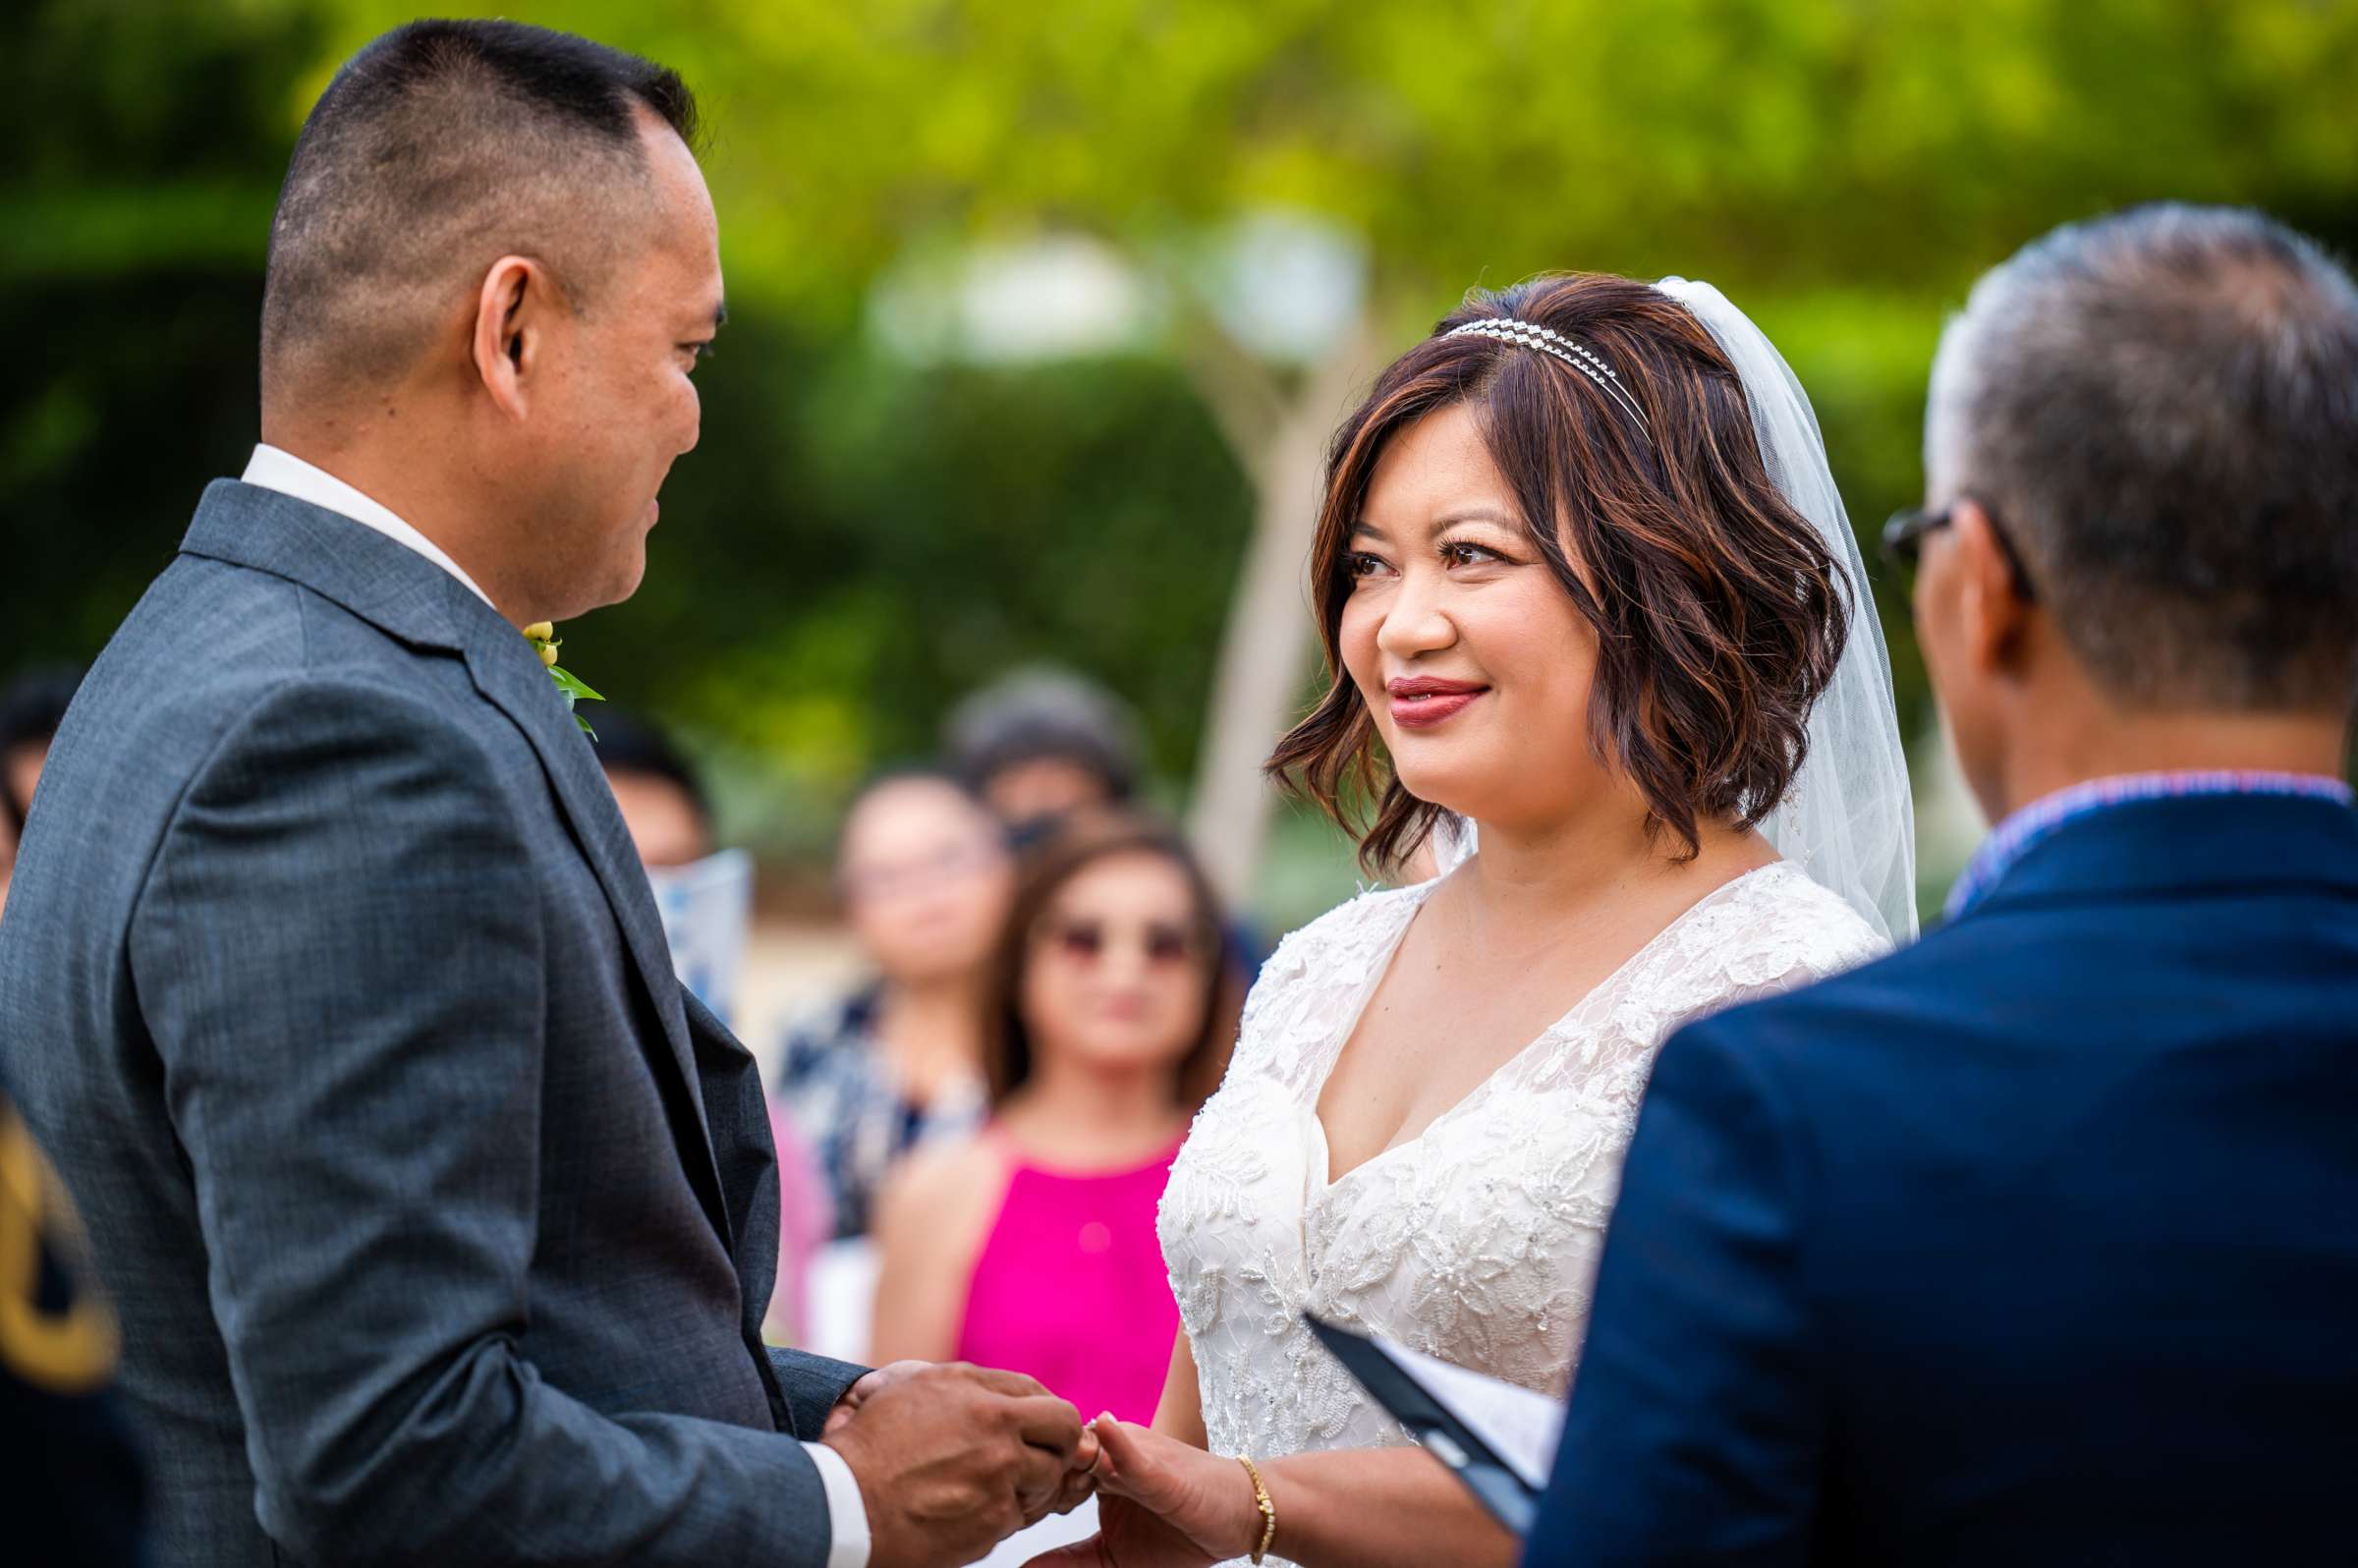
[(1032, 1246)]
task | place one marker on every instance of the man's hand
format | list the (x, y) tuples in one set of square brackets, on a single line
[(952, 1460), (867, 1388)]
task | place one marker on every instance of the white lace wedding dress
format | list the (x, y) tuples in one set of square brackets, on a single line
[(1476, 1241)]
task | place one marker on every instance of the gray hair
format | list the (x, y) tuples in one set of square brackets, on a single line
[(1046, 712), (2160, 409)]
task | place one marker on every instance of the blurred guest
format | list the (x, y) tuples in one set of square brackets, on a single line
[(925, 876), (31, 707), (670, 821), (1040, 744), (663, 802), (706, 896), (2037, 1242), (69, 1482), (1032, 1246)]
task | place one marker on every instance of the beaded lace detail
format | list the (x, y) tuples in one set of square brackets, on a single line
[(1477, 1240)]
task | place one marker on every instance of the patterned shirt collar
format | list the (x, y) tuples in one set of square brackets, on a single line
[(2039, 820)]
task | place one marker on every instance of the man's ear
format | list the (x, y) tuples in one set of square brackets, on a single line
[(1991, 611), (513, 313)]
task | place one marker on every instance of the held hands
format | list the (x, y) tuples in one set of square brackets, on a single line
[(952, 1460), (1162, 1503)]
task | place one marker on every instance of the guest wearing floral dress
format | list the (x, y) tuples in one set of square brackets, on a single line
[(924, 876)]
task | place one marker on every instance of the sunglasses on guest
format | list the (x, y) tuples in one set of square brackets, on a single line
[(1088, 942)]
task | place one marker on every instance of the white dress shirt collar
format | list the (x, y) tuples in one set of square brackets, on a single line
[(288, 474)]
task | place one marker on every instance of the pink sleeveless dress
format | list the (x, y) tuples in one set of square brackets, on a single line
[(1071, 1285)]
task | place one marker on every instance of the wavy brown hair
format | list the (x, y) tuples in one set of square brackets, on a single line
[(1719, 612), (1081, 843)]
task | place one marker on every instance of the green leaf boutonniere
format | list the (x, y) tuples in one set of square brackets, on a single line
[(543, 638)]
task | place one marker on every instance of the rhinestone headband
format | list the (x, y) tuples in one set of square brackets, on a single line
[(1506, 329)]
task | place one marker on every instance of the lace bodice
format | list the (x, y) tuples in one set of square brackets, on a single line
[(1477, 1240)]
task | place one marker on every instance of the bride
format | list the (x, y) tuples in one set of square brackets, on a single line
[(1582, 571)]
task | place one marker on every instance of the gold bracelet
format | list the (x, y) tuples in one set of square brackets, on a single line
[(1268, 1509)]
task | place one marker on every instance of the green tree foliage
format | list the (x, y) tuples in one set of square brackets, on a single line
[(879, 537), (146, 145), (859, 538)]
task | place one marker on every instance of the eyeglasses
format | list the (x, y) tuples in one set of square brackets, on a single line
[(1087, 942), (924, 874), (1903, 543)]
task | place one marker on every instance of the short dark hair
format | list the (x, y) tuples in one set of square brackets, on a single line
[(2161, 407), (629, 744), (438, 147), (1042, 715), (1079, 843), (1718, 610), (31, 707)]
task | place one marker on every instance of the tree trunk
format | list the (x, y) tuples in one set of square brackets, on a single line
[(1267, 647)]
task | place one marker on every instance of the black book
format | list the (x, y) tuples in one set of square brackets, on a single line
[(1497, 1439)]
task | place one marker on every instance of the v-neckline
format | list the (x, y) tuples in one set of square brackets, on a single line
[(1380, 969)]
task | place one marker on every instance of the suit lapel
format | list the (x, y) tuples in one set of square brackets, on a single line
[(507, 672), (749, 1175)]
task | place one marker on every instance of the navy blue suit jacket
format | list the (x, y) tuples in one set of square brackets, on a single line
[(2035, 1243)]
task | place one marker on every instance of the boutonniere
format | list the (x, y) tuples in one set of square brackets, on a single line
[(542, 635)]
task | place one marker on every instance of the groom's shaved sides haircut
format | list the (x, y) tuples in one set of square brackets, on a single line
[(2161, 408), (438, 149)]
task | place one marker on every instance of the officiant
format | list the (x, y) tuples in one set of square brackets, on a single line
[(2037, 1242)]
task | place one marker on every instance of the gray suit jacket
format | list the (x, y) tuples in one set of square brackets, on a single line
[(441, 1222)]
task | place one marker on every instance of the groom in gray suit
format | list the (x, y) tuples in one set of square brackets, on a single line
[(440, 1221)]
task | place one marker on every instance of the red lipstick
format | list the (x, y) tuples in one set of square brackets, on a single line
[(1424, 700)]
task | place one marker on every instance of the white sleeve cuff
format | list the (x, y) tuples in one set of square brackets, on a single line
[(846, 1512)]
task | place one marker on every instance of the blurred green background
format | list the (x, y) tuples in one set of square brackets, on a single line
[(1034, 307)]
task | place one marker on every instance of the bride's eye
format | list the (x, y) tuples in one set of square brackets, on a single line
[(1359, 564), (1462, 552)]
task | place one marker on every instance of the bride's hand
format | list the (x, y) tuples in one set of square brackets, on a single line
[(1163, 1504)]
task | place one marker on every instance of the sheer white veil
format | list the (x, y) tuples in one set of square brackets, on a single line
[(1848, 818)]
